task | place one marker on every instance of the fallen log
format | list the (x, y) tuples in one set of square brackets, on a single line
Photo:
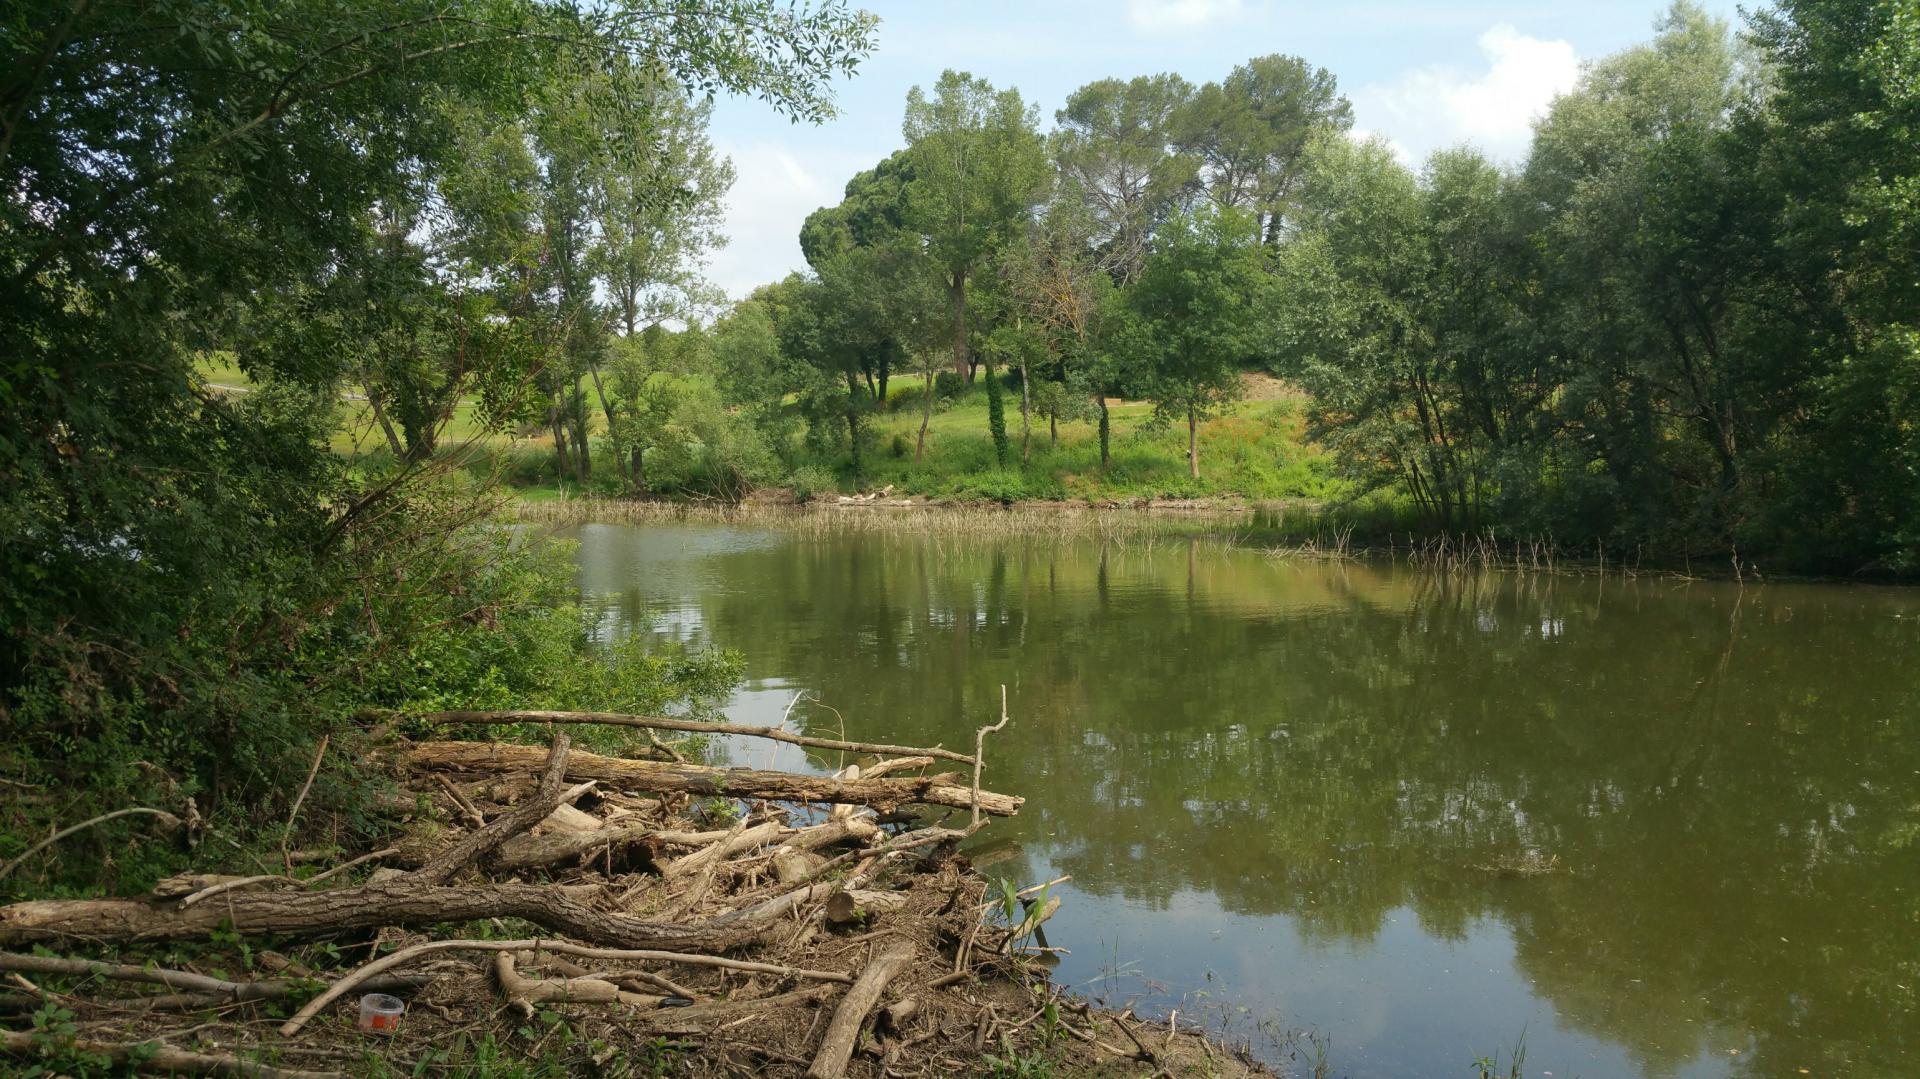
[(836, 1048), (846, 908), (399, 902), (525, 992), (662, 723), (159, 1057), (884, 794)]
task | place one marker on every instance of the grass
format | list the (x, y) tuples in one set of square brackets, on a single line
[(1252, 450)]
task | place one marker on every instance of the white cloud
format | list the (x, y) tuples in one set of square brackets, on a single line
[(1434, 107), (1157, 16), (777, 187)]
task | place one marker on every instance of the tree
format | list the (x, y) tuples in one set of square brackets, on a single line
[(864, 242), (1198, 310), (1114, 151), (1397, 298), (1251, 131), (188, 572), (979, 166), (1057, 285)]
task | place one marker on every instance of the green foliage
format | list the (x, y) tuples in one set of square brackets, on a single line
[(1196, 317), (811, 481), (997, 418), (1010, 1063), (198, 587), (948, 385)]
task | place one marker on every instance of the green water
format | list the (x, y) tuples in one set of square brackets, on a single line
[(1279, 787)]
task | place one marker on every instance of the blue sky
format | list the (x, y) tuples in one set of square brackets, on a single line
[(1421, 74)]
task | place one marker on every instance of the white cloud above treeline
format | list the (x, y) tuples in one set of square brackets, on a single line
[(1492, 109)]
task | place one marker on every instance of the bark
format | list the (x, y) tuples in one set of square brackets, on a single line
[(386, 426), (926, 414), (957, 299), (477, 845), (830, 1061), (1193, 443), (882, 794), (1105, 428), (1026, 421), (402, 902), (694, 726)]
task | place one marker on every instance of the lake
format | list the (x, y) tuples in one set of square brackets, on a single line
[(1649, 826)]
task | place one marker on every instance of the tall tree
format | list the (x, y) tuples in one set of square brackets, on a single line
[(1114, 151), (979, 166), (1251, 130)]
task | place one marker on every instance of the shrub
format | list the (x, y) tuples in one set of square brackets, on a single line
[(811, 481), (947, 385)]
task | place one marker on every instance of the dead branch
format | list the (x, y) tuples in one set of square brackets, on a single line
[(526, 992), (373, 856), (286, 857), (836, 1048), (407, 955), (980, 755), (524, 816), (853, 905), (884, 794), (693, 726), (164, 817)]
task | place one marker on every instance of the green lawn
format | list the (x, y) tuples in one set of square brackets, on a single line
[(1252, 448)]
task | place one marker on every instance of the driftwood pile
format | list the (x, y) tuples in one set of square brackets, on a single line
[(651, 915)]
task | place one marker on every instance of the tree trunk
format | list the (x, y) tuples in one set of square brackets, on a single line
[(1105, 429), (957, 297), (386, 427), (400, 902), (853, 421), (1026, 422), (613, 423), (883, 794), (1193, 443), (582, 450), (926, 414), (557, 424)]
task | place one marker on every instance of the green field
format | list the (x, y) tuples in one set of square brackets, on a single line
[(1252, 449)]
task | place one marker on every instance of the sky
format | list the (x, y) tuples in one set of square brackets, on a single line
[(1423, 74)]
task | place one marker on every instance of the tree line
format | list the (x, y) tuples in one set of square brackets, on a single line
[(1682, 324), (398, 208)]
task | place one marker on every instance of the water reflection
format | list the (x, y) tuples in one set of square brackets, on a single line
[(1288, 782)]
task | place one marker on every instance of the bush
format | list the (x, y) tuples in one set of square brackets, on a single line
[(811, 481), (948, 385)]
